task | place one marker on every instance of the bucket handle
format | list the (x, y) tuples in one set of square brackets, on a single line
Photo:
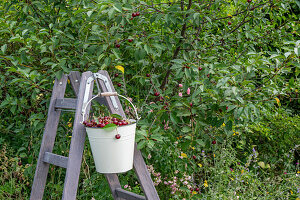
[(108, 94)]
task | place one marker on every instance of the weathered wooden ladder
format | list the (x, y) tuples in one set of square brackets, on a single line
[(72, 163)]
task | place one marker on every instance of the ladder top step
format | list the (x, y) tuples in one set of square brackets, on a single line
[(71, 103)]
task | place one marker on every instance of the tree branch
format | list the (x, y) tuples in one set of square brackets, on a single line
[(176, 52)]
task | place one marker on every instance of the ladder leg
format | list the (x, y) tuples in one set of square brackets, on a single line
[(143, 175), (77, 144), (42, 168)]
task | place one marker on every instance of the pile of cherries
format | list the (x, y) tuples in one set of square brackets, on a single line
[(103, 121)]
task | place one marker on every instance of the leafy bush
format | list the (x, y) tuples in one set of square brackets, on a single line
[(208, 78)]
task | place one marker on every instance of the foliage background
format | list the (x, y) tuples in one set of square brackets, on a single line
[(239, 59)]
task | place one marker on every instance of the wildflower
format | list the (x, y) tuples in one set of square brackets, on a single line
[(205, 183), (180, 157), (180, 94), (292, 192), (183, 155), (180, 85), (199, 164), (125, 186), (149, 156), (194, 192), (188, 91), (231, 169)]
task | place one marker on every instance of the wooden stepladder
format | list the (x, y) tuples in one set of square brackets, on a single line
[(72, 163)]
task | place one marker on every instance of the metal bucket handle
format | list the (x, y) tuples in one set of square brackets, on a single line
[(108, 94)]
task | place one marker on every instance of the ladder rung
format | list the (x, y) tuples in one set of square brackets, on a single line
[(70, 104), (66, 103), (55, 159), (129, 195)]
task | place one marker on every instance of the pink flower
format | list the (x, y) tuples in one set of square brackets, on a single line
[(180, 94), (180, 85), (188, 91)]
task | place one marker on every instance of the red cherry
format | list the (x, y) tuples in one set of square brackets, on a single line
[(137, 13), (118, 136), (199, 68), (249, 1), (229, 23), (118, 45), (120, 123), (125, 123), (133, 14), (197, 189), (130, 40), (191, 104), (194, 157), (156, 94), (115, 122), (226, 107), (102, 125), (131, 18), (148, 75), (116, 74), (207, 75), (119, 84), (20, 163), (191, 189), (214, 142)]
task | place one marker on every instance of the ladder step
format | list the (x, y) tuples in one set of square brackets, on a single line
[(128, 195), (55, 159), (66, 103), (70, 103)]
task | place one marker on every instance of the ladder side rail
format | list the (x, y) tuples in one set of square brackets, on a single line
[(75, 78), (139, 165), (77, 143), (143, 175), (48, 140), (112, 179)]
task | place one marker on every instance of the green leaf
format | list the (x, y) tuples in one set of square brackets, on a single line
[(118, 7), (59, 75), (261, 164), (3, 48), (200, 142), (116, 116), (141, 144), (89, 13), (184, 113), (110, 127), (186, 129)]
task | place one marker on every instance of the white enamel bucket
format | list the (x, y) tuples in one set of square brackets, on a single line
[(112, 155)]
